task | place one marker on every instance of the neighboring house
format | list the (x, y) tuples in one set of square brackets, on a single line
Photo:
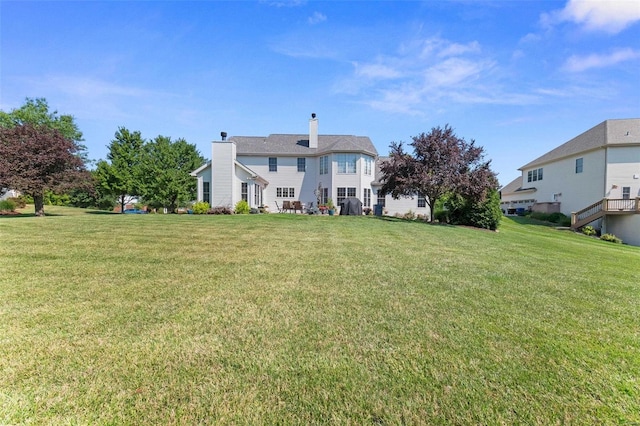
[(594, 177), (295, 167)]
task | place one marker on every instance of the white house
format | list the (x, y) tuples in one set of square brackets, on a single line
[(595, 177), (8, 193), (268, 170)]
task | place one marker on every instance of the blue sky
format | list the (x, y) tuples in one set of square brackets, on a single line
[(519, 77)]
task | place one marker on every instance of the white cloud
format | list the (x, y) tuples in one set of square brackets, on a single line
[(577, 63), (376, 71), (284, 3), (317, 18), (455, 49), (93, 98), (611, 16), (453, 71), (423, 74)]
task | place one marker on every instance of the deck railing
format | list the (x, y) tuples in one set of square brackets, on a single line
[(604, 207)]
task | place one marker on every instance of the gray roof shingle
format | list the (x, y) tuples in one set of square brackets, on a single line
[(288, 144), (609, 132)]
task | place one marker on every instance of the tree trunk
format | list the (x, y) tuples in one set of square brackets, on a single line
[(122, 203), (38, 200), (431, 205)]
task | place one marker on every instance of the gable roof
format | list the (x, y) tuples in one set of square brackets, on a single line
[(607, 133), (515, 186), (291, 144)]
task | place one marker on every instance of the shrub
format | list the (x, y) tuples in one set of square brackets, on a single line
[(410, 215), (242, 207), (611, 238), (220, 210), (201, 207), (441, 216), (588, 230), (20, 201), (556, 217), (457, 210), (7, 206)]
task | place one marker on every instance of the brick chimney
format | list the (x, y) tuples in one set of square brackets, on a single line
[(313, 131)]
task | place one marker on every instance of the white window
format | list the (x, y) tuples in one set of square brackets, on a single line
[(381, 198), (244, 193), (579, 165), (347, 163), (324, 165), (206, 192), (534, 175), (367, 197), (422, 201), (302, 164), (285, 193), (273, 164), (626, 192), (368, 161)]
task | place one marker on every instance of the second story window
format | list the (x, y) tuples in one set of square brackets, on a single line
[(534, 175), (302, 164), (324, 165), (367, 165), (273, 164), (347, 163), (579, 162)]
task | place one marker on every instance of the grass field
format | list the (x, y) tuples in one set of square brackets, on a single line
[(292, 319)]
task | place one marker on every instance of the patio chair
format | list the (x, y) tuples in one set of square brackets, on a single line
[(286, 206), (297, 205)]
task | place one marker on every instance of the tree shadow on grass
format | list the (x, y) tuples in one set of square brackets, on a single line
[(100, 212), (23, 215)]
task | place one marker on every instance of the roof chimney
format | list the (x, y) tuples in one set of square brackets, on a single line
[(313, 131), (223, 136)]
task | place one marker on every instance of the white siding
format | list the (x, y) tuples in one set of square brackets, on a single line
[(402, 205), (626, 227), (623, 169), (223, 185)]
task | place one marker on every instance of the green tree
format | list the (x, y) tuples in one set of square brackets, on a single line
[(120, 177), (165, 172), (36, 112)]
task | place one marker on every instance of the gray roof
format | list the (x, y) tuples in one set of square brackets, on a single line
[(282, 144), (609, 132), (515, 186), (378, 172)]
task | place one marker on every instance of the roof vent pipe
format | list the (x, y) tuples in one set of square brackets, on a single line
[(223, 135)]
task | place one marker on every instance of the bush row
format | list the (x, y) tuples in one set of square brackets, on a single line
[(557, 218)]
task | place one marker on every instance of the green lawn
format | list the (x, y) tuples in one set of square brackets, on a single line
[(292, 319)]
